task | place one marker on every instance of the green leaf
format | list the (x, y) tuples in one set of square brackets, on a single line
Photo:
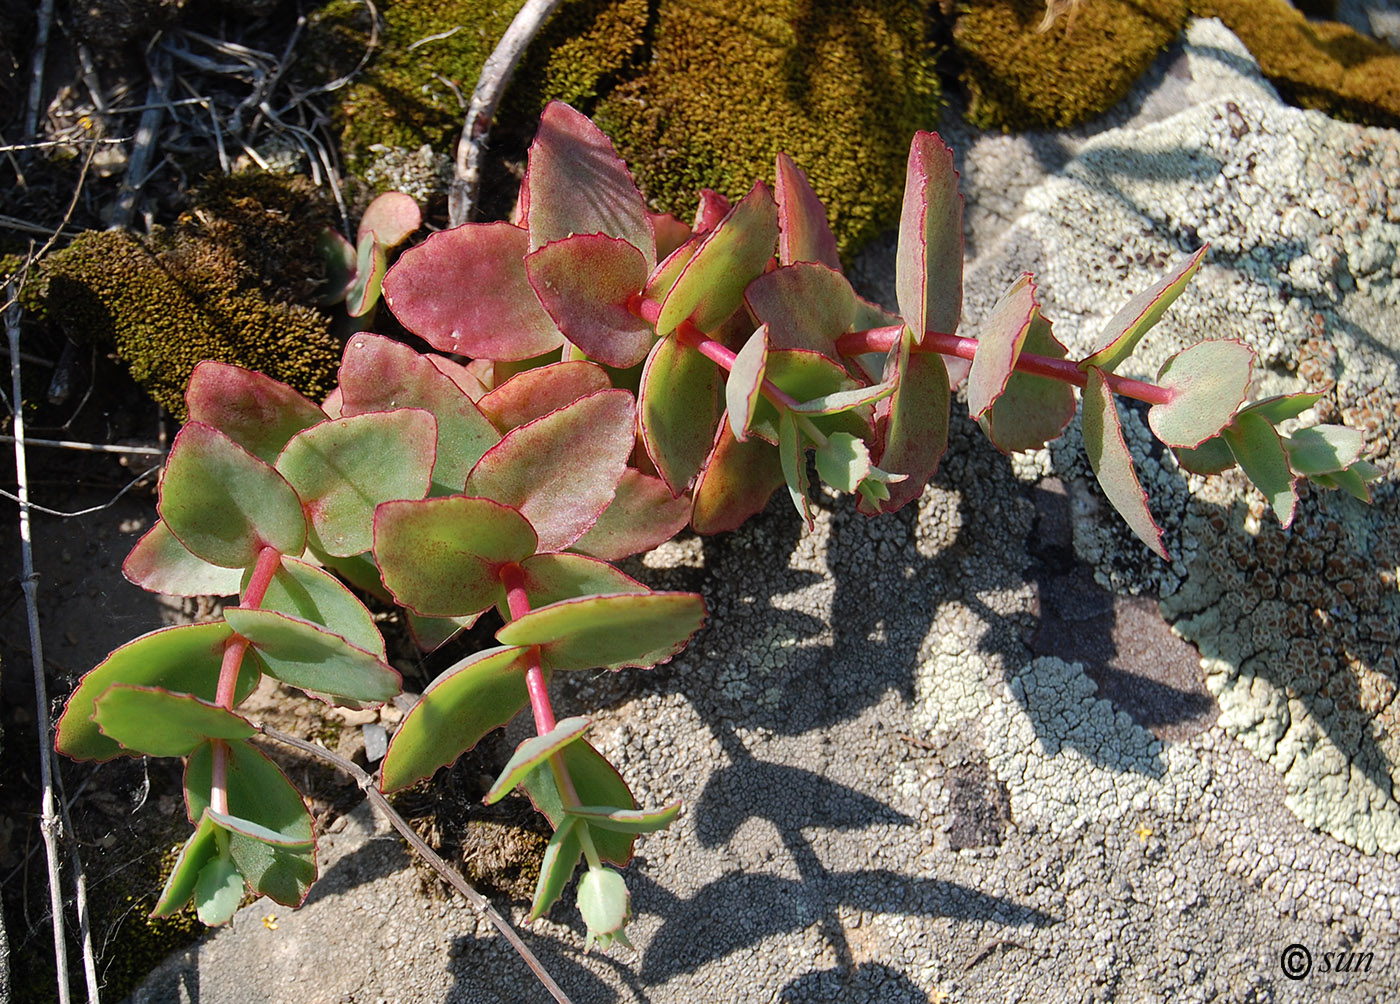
[(845, 400), (1260, 453), (218, 891), (549, 578), (561, 471), (1323, 449), (627, 820), (338, 254), (999, 343), (804, 235), (806, 306), (161, 723), (745, 384), (1209, 381), (1282, 407), (482, 692), (302, 654), (200, 850), (679, 407), (184, 659), (596, 782), (604, 902), (1352, 480), (811, 377), (534, 752), (537, 392), (843, 461), (304, 591), (1211, 457), (561, 857), (1136, 317), (224, 504), (586, 281), (343, 469), (379, 374), (711, 286), (913, 424), (610, 632), (1113, 464), (792, 449), (371, 261), (257, 412), (735, 484), (929, 259), (642, 515), (663, 277), (1032, 410), (442, 557), (159, 563)]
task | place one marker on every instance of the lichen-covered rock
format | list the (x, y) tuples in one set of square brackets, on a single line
[(838, 87)]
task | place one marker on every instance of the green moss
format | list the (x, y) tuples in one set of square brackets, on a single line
[(839, 87), (1083, 65)]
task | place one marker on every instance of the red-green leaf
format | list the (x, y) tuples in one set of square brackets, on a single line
[(224, 504), (561, 471), (371, 260), (831, 397), (1113, 464), (339, 257), (380, 374), (999, 342), (442, 557), (679, 405), (482, 692), (1323, 449), (736, 483), (805, 306), (1032, 410), (710, 211), (431, 633), (628, 820), (159, 563), (711, 287), (302, 654), (664, 276), (929, 261), (1282, 407), (609, 632), (302, 590), (465, 290), (550, 578), (1260, 453), (557, 866), (670, 232), (843, 461), (596, 782), (200, 850), (1136, 317), (1211, 457), (535, 393), (577, 184), (803, 232), (159, 722), (257, 412), (1209, 381), (743, 388), (792, 451), (343, 468), (390, 219), (913, 424), (534, 752), (642, 515), (184, 659), (585, 282)]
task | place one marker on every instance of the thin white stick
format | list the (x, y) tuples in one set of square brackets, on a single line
[(69, 444), (495, 75), (36, 77)]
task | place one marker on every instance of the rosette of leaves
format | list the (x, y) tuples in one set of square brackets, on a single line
[(355, 272)]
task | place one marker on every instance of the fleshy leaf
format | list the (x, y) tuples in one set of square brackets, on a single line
[(664, 276), (1209, 381), (929, 261), (185, 659), (806, 306), (670, 232), (1136, 317), (642, 515), (711, 287), (596, 782), (218, 891), (1323, 449), (345, 467), (792, 451), (257, 412), (441, 557), (744, 386), (380, 374), (913, 424), (679, 406), (158, 722), (1282, 407), (628, 820), (1353, 480), (604, 903), (736, 483), (534, 752), (482, 692), (1211, 457), (609, 632), (549, 578), (812, 377), (577, 184), (561, 471), (710, 211), (390, 219), (1113, 464), (1032, 410), (431, 633), (535, 393), (999, 343), (585, 282), (201, 849), (843, 461), (302, 590), (304, 655), (804, 235), (845, 400), (1259, 450), (338, 254), (371, 261), (465, 290), (159, 563), (224, 504), (560, 859)]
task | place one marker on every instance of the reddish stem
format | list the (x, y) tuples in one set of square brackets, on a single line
[(513, 578)]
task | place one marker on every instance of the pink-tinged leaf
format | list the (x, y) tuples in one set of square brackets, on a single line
[(201, 851), (331, 406), (345, 467), (913, 424), (533, 752), (465, 290), (711, 287), (390, 219), (535, 393), (596, 782), (1209, 381), (929, 261), (300, 589), (257, 412), (792, 451), (805, 306), (224, 504), (1282, 407), (550, 578), (184, 659), (736, 483), (482, 692), (642, 515), (577, 184), (804, 235), (664, 276), (585, 283), (1211, 457), (712, 208), (679, 406), (561, 471), (1033, 410), (339, 256), (609, 632), (1260, 453), (742, 389), (159, 563), (305, 655), (468, 378), (442, 557), (868, 315), (1113, 464), (158, 722), (1323, 449), (810, 376), (371, 261), (999, 342), (1136, 317), (379, 374), (670, 232)]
